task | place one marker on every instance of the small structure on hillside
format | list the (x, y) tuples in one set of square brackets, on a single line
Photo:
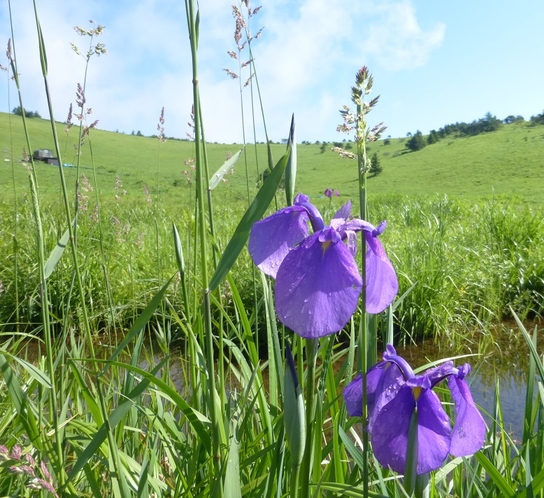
[(46, 156)]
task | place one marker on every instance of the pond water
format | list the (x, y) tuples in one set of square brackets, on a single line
[(504, 361)]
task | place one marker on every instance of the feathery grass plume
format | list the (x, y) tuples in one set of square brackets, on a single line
[(118, 188), (69, 122), (85, 188), (98, 49), (242, 29), (34, 476), (148, 198), (191, 124), (160, 127)]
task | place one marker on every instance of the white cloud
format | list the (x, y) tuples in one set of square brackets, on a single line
[(397, 41), (305, 59)]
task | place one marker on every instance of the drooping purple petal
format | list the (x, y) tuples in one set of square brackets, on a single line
[(315, 216), (353, 395), (381, 280), (390, 354), (469, 429), (317, 286), (441, 372), (433, 432), (382, 380), (379, 379), (272, 238), (344, 212), (395, 393), (358, 225), (389, 432), (351, 242)]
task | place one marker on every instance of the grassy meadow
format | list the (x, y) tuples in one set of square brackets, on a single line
[(142, 354), (475, 200), (506, 162)]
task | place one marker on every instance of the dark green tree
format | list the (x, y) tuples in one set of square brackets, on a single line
[(433, 137), (375, 166), (29, 114), (417, 142)]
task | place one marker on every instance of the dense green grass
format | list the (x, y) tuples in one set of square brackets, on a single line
[(505, 162), (466, 258)]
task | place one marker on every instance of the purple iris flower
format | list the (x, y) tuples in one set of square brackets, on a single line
[(329, 193), (317, 279), (394, 391)]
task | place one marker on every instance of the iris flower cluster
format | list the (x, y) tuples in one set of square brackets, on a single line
[(395, 392), (318, 282)]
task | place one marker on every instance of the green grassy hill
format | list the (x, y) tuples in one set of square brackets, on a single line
[(509, 161)]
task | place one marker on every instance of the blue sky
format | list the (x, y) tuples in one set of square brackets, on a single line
[(434, 63)]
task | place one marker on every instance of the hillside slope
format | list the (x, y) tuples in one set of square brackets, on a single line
[(509, 161)]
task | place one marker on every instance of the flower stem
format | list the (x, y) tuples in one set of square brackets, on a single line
[(363, 212), (305, 469)]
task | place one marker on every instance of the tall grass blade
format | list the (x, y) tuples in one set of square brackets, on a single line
[(56, 254), (39, 375), (20, 402), (528, 421), (232, 486), (495, 475), (347, 490), (293, 416), (223, 170), (254, 213), (291, 169), (532, 348), (115, 418), (537, 484), (197, 420)]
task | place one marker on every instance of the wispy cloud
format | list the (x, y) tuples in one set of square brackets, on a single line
[(397, 41)]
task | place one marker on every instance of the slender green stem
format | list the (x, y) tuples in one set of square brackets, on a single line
[(306, 466), (363, 339), (201, 180)]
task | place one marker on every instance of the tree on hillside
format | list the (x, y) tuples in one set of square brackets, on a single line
[(433, 137), (375, 166), (538, 119), (323, 147), (417, 142), (512, 119), (29, 114)]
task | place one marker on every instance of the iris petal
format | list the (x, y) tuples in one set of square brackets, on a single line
[(317, 286), (469, 429), (382, 391), (389, 434), (433, 432), (381, 280), (353, 394), (272, 238), (344, 212)]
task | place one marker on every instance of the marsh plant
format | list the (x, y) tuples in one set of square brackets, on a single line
[(233, 373)]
